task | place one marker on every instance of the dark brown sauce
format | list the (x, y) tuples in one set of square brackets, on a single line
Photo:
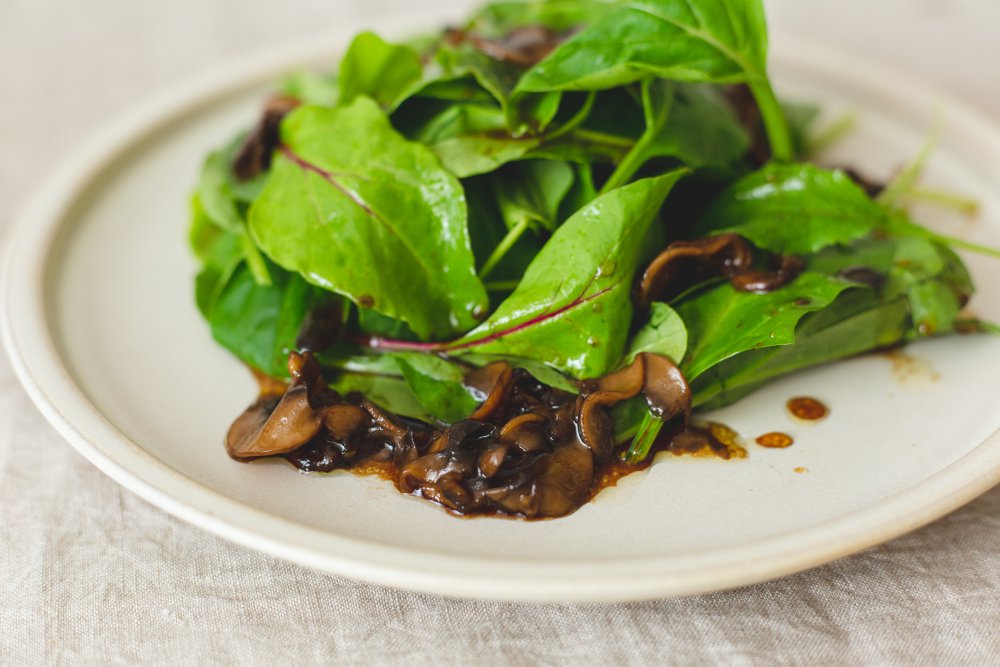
[(807, 409), (775, 440)]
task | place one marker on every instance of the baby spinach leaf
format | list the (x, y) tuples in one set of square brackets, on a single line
[(382, 71), (664, 333), (473, 154), (572, 309), (688, 122), (711, 41), (793, 209), (722, 322), (216, 203), (357, 209), (722, 41), (260, 324), (858, 321), (437, 385), (378, 377), (529, 192)]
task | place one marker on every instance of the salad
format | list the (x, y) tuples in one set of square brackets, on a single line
[(507, 263)]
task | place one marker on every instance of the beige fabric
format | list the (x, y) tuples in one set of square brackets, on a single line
[(90, 574)]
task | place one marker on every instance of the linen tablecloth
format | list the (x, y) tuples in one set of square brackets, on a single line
[(91, 574)]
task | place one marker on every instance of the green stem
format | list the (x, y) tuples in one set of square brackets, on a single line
[(631, 163), (505, 245), (833, 133), (644, 439), (603, 138), (255, 261), (502, 285), (774, 120), (960, 203)]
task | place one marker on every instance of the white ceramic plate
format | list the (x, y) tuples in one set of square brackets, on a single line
[(103, 332)]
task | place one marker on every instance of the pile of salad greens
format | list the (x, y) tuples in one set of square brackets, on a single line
[(497, 191)]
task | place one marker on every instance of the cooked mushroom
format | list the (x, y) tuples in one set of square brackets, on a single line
[(553, 485), (661, 383), (495, 381), (686, 263), (292, 423), (786, 270)]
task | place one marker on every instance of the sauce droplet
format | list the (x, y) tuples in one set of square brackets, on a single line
[(775, 440), (807, 409), (800, 469)]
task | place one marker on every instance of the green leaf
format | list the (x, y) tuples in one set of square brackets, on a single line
[(858, 321), (474, 154), (382, 384), (438, 386), (710, 41), (722, 321), (313, 88), (359, 210), (793, 209), (689, 122), (531, 192), (261, 323), (382, 71), (572, 309), (664, 333), (719, 41), (217, 203)]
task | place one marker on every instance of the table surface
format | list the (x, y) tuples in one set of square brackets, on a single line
[(93, 574)]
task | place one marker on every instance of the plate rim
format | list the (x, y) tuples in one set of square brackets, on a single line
[(37, 363)]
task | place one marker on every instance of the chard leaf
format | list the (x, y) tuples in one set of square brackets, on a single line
[(437, 385), (260, 324), (357, 209), (722, 322), (793, 209), (382, 71), (664, 334), (719, 41), (572, 308)]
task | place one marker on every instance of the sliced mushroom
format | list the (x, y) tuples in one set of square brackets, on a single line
[(254, 156), (684, 264), (596, 425), (526, 432), (496, 381), (661, 383), (292, 424), (555, 485)]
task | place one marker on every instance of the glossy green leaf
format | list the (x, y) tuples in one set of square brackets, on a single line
[(355, 208), (572, 309), (260, 324), (794, 209), (719, 41), (531, 191), (722, 321), (664, 333), (437, 385), (379, 70), (858, 321)]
